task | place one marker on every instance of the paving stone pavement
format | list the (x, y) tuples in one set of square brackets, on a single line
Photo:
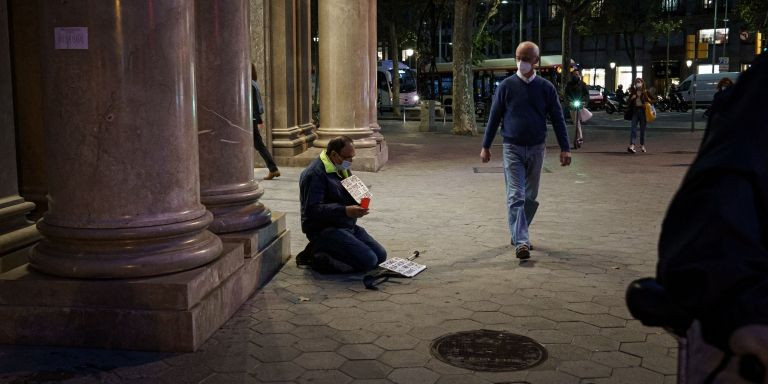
[(596, 230)]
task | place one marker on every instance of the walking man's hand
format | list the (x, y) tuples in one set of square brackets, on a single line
[(485, 155), (565, 159)]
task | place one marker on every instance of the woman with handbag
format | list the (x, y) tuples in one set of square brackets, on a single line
[(576, 98), (636, 105)]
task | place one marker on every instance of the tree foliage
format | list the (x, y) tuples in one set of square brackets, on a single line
[(571, 12), (754, 14), (632, 18)]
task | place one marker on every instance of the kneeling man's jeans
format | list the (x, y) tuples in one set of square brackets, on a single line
[(352, 246)]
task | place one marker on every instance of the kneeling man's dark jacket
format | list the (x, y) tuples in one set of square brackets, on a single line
[(323, 198)]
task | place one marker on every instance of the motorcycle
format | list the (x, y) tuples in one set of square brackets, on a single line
[(612, 104), (676, 102), (662, 104)]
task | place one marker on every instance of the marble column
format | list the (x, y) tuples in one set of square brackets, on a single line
[(16, 231), (289, 137), (372, 83), (344, 72), (28, 100), (224, 121), (121, 141)]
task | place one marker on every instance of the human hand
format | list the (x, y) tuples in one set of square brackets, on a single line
[(565, 159), (356, 211), (485, 155), (751, 340)]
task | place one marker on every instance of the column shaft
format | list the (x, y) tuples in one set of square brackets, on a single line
[(28, 100), (344, 72), (289, 138), (121, 141), (304, 63), (15, 230), (227, 185), (372, 83)]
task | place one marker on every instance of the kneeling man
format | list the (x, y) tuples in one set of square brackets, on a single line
[(329, 215)]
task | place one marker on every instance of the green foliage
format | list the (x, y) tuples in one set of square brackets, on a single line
[(754, 14), (663, 27)]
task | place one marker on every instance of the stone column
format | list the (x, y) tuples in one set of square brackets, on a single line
[(28, 100), (304, 67), (344, 72), (121, 141), (16, 231), (288, 137), (224, 121), (373, 84)]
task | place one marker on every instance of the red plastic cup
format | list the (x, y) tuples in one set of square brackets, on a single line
[(365, 201)]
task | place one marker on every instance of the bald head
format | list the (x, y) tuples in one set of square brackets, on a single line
[(527, 51)]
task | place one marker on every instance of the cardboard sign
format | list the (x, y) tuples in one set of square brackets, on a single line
[(356, 188), (403, 266)]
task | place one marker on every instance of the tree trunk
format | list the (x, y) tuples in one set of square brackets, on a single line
[(566, 48), (395, 70), (463, 98)]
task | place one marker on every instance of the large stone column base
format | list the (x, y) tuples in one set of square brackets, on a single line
[(172, 313), (366, 159), (291, 142)]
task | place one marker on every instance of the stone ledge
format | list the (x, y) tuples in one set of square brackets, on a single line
[(116, 322), (366, 159)]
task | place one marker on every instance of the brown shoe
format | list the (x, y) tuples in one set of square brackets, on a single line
[(272, 175)]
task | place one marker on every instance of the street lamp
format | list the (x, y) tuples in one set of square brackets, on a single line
[(612, 65), (688, 63)]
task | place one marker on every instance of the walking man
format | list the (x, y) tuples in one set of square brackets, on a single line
[(521, 105)]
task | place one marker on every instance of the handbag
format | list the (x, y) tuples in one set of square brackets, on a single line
[(650, 112), (628, 113), (585, 114)]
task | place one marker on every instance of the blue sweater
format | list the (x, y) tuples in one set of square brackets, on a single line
[(522, 108)]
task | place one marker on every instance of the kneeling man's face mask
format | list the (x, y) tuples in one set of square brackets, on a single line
[(345, 164)]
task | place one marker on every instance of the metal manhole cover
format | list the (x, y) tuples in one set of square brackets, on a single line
[(487, 350)]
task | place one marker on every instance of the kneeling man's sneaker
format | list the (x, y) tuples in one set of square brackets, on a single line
[(522, 252)]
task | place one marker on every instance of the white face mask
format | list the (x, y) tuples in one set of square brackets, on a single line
[(524, 67), (345, 164), (638, 85)]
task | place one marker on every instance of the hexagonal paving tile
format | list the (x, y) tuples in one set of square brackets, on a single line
[(366, 369), (317, 344), (313, 331), (584, 369), (396, 342), (324, 377), (358, 336), (274, 340), (274, 354), (413, 376), (404, 358), (615, 359), (596, 343), (278, 371), (360, 351), (319, 360)]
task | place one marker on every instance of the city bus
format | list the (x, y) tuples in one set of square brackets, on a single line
[(487, 75), (408, 94)]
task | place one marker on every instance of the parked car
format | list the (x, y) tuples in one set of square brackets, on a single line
[(595, 97)]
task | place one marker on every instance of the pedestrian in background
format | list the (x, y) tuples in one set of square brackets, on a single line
[(638, 96), (258, 123), (576, 98), (521, 105)]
